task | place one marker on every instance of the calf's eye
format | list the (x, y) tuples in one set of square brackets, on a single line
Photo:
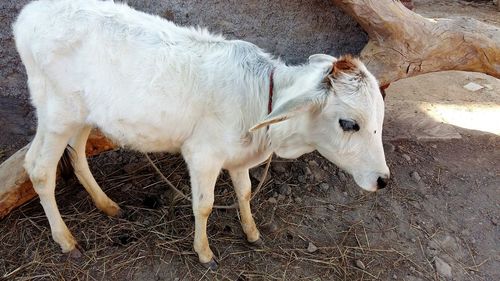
[(348, 125)]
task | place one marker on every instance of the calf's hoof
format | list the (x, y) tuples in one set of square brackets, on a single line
[(76, 253), (259, 243), (113, 210), (212, 264), (122, 214)]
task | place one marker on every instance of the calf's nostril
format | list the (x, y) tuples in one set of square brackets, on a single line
[(381, 182)]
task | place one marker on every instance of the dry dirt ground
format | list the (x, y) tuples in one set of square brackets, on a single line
[(441, 210)]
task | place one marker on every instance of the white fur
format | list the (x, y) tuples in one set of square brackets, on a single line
[(151, 85)]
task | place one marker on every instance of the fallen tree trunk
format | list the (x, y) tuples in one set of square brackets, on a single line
[(404, 44), (15, 186)]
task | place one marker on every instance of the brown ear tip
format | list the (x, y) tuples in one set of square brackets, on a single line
[(346, 63)]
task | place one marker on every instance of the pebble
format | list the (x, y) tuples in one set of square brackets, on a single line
[(275, 194), (342, 176), (258, 172), (298, 199), (272, 227), (442, 267), (311, 248), (285, 189), (301, 179), (360, 264), (279, 167), (389, 147), (415, 176), (471, 86), (317, 172), (406, 157), (272, 200), (324, 186)]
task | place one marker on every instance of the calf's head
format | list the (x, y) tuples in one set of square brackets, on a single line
[(335, 107)]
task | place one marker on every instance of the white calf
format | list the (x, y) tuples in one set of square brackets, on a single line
[(154, 86)]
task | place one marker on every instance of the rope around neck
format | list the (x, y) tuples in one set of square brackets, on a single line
[(184, 196)]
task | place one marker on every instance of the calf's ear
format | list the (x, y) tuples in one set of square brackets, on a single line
[(320, 58), (288, 110), (345, 67)]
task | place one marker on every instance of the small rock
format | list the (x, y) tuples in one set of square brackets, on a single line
[(389, 147), (272, 200), (442, 267), (258, 172), (317, 172), (415, 176), (360, 264), (313, 163), (279, 167), (301, 179), (307, 171), (471, 86), (271, 227), (342, 176), (394, 276), (311, 248), (406, 157), (281, 197), (298, 199), (275, 194), (324, 186), (285, 189)]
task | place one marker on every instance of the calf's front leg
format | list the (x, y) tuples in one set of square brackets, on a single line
[(243, 188), (203, 172)]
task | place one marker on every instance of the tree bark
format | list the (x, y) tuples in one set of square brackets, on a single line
[(15, 186), (404, 44)]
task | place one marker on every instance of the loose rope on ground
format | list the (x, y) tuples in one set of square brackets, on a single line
[(232, 206)]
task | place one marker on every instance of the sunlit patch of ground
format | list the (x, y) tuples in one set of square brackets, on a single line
[(482, 117), (437, 106)]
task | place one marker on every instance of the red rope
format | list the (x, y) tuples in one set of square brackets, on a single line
[(271, 86)]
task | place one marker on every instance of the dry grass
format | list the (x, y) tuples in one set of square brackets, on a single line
[(154, 241)]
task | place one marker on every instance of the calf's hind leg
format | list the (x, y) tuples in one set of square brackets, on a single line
[(41, 165), (82, 171)]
